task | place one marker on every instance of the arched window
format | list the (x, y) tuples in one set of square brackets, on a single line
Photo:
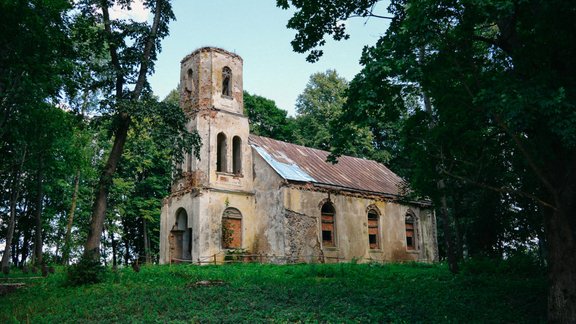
[(189, 80), (226, 81), (221, 152), (373, 229), (411, 230), (328, 225), (231, 229), (237, 155)]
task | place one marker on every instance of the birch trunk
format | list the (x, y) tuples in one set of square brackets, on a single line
[(14, 195)]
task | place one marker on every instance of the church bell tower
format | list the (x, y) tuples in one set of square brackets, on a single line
[(211, 94)]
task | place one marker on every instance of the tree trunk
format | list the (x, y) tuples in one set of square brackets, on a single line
[(452, 262), (560, 227), (561, 265), (67, 244), (92, 247), (146, 242), (126, 249), (114, 251), (458, 236), (26, 240), (14, 252), (38, 258), (14, 193)]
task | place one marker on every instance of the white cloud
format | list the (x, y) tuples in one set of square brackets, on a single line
[(137, 12)]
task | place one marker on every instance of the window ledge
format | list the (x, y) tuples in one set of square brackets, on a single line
[(413, 251), (226, 97), (330, 248), (230, 174), (376, 251)]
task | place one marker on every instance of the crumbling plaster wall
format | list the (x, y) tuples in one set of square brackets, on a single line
[(201, 80), (231, 125), (352, 226), (190, 202), (269, 225), (212, 206)]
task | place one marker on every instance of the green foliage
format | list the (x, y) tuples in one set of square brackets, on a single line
[(87, 271), (478, 95), (35, 55), (317, 107), (288, 293), (157, 139), (266, 119), (315, 19), (519, 264)]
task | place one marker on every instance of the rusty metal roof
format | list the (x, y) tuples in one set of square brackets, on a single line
[(299, 163)]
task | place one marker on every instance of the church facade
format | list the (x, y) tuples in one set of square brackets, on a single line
[(275, 199)]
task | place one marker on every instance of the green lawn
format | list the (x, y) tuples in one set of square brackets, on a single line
[(295, 293)]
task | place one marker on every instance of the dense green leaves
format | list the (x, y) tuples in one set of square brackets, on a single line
[(266, 119), (316, 19), (35, 55), (92, 65)]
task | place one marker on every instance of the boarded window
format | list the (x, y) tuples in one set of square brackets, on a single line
[(226, 81), (232, 229), (221, 150), (237, 155), (328, 225), (373, 230)]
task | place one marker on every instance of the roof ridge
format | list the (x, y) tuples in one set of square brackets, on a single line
[(315, 149)]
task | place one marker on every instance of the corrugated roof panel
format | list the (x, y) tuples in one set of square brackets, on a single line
[(286, 171), (300, 163)]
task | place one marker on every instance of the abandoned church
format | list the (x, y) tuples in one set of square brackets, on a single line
[(276, 199)]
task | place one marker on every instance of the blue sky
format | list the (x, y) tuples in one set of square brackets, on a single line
[(256, 30)]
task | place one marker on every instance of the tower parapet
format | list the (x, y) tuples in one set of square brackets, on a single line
[(211, 77)]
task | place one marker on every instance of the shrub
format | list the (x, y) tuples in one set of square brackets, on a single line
[(519, 264), (86, 271)]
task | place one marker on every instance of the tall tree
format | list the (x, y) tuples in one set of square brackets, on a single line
[(132, 48), (266, 119), (35, 55), (34, 62), (506, 67), (319, 105)]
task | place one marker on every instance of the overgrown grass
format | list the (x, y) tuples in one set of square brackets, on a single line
[(294, 293)]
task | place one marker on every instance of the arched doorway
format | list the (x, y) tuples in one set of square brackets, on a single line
[(181, 245)]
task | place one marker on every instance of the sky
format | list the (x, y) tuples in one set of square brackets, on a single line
[(256, 30)]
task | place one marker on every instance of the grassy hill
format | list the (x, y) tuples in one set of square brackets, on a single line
[(293, 293)]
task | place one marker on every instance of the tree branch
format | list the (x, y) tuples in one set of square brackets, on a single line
[(501, 189), (148, 50), (112, 49), (524, 151), (371, 15)]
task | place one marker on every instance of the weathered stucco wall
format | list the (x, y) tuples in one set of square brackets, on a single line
[(269, 225), (210, 229), (190, 203), (352, 227), (201, 80)]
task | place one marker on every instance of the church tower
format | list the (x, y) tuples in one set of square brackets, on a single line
[(211, 94), (215, 191)]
